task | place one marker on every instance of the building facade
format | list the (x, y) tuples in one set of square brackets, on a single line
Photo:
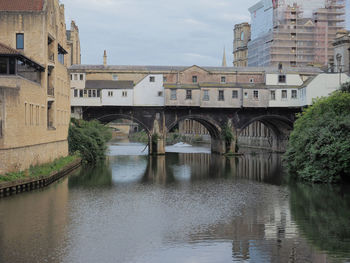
[(73, 45), (342, 52), (294, 32), (34, 84), (241, 38)]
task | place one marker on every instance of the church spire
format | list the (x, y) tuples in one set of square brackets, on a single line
[(224, 64)]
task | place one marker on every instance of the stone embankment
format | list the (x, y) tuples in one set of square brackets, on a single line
[(25, 185)]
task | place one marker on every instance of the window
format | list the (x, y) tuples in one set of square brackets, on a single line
[(71, 76), (75, 93), (173, 94), (124, 94), (194, 79), (3, 65), (284, 94), (110, 93), (272, 95), (256, 94), (206, 95), (242, 35), (81, 93), (61, 58), (81, 77), (90, 93), (188, 94), (8, 66), (94, 93), (221, 95), (20, 41), (294, 94), (165, 79), (235, 94), (152, 79), (75, 76), (281, 78), (98, 93), (160, 93), (115, 77), (246, 95), (251, 80), (223, 79)]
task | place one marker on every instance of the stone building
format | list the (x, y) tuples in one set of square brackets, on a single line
[(241, 37), (342, 52), (34, 83), (73, 45)]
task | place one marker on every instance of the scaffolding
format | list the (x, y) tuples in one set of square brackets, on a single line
[(302, 34)]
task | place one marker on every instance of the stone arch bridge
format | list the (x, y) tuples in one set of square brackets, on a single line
[(158, 121)]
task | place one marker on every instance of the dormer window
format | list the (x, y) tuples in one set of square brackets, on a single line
[(281, 78), (194, 79)]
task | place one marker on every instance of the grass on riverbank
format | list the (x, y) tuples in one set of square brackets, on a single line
[(39, 170)]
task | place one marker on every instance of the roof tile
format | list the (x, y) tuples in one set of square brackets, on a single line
[(21, 5), (6, 50)]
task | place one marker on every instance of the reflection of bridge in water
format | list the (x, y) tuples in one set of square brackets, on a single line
[(188, 166)]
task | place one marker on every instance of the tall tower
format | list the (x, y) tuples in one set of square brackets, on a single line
[(241, 37)]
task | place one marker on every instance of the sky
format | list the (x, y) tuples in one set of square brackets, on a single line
[(157, 32)]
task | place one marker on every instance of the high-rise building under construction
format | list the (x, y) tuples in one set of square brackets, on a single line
[(294, 32)]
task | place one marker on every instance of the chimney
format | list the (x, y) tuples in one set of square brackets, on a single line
[(105, 58)]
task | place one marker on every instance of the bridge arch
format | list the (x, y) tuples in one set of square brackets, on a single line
[(210, 124), (111, 117), (279, 126)]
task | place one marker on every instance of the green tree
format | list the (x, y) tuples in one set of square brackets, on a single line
[(319, 146), (89, 139), (345, 87)]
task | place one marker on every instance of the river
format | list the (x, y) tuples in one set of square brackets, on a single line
[(187, 206)]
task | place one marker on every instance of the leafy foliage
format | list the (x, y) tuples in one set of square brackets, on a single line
[(89, 139), (319, 146), (345, 87)]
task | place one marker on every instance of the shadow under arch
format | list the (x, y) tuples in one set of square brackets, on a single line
[(279, 126), (275, 122), (211, 125), (106, 119), (111, 117)]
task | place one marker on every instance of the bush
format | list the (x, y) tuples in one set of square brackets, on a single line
[(89, 139), (319, 146)]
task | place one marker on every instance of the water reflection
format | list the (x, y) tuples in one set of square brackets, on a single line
[(181, 207), (323, 216)]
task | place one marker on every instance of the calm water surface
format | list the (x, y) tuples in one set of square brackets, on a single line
[(188, 206)]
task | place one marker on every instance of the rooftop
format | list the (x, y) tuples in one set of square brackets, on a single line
[(21, 5), (6, 51), (167, 69)]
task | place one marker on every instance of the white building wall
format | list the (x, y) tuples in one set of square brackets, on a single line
[(291, 80), (285, 102), (323, 85), (148, 93), (76, 82), (117, 98)]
